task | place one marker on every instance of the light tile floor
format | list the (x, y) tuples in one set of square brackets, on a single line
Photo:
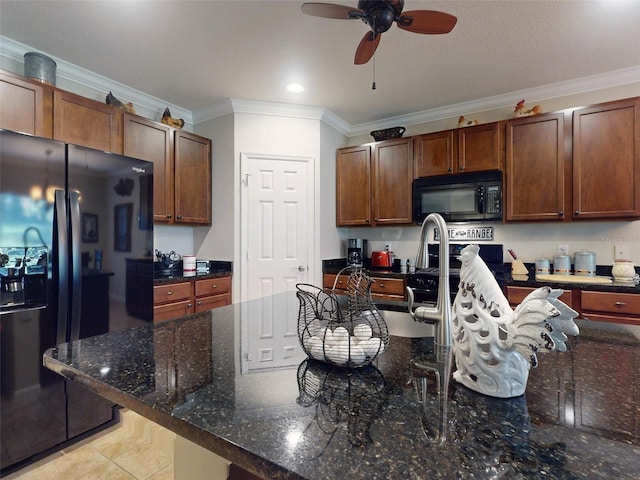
[(136, 449)]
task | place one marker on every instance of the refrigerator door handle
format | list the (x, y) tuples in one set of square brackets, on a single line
[(76, 265), (60, 264)]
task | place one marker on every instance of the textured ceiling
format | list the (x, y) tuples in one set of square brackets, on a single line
[(197, 54)]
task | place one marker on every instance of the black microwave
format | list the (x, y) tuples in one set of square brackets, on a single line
[(467, 197)]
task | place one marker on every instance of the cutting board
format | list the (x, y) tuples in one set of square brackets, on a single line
[(574, 279)]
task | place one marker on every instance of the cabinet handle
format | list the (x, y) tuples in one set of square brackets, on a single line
[(449, 169), (561, 213), (461, 168), (214, 286), (168, 215), (577, 212), (169, 293), (381, 285), (620, 304), (199, 302), (367, 220), (179, 217), (376, 219)]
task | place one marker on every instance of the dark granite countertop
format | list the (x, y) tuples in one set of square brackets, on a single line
[(217, 268), (579, 418)]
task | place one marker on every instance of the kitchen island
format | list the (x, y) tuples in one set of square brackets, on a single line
[(580, 416)]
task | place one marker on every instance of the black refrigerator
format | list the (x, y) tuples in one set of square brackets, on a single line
[(70, 219)]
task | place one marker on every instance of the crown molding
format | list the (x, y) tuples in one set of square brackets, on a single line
[(72, 73), (590, 83), (15, 52)]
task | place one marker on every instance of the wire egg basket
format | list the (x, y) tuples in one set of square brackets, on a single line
[(347, 334)]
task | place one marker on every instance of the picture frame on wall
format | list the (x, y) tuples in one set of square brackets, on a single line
[(89, 227), (122, 227)]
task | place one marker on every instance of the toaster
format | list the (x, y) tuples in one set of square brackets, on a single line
[(382, 259)]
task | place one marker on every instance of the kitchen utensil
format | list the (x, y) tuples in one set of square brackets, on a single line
[(584, 263), (168, 260), (562, 264)]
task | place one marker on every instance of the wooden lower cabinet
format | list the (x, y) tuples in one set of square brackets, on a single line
[(515, 295), (611, 307), (212, 293), (383, 288), (175, 300), (172, 301)]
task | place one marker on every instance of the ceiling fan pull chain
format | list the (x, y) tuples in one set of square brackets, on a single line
[(373, 86)]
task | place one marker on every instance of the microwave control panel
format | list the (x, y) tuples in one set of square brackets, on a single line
[(493, 199)]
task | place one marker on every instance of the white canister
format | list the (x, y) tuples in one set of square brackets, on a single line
[(543, 266), (624, 271), (562, 264), (584, 263), (188, 265)]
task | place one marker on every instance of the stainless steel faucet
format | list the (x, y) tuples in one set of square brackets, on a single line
[(441, 313)]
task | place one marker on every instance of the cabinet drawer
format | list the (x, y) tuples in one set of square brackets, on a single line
[(171, 293), (515, 295), (598, 317), (172, 310), (616, 303), (213, 301), (387, 286), (213, 286), (329, 279)]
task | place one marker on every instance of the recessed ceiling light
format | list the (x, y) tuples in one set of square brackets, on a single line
[(295, 88)]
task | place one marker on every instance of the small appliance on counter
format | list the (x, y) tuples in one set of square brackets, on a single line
[(356, 251), (382, 259), (202, 266)]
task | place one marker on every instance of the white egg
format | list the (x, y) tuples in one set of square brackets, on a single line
[(337, 355), (372, 347), (362, 331), (357, 355), (314, 347), (341, 333)]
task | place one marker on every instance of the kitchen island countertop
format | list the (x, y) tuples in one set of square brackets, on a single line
[(579, 418)]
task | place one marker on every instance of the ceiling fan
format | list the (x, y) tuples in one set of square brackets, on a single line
[(380, 15)]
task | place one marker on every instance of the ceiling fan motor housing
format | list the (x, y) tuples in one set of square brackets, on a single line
[(380, 14)]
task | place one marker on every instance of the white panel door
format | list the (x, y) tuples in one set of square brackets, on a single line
[(277, 233)]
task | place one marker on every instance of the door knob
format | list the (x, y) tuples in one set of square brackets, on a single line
[(302, 268)]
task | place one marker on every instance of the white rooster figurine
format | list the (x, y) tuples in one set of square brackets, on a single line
[(493, 345)]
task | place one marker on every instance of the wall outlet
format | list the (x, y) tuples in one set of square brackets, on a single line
[(563, 249), (621, 252)]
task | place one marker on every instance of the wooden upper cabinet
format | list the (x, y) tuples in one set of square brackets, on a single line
[(23, 104), (192, 178), (480, 148), (153, 142), (470, 149), (392, 178), (82, 121), (535, 163), (435, 153), (353, 186), (606, 160)]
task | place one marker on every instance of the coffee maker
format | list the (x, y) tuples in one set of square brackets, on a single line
[(356, 251)]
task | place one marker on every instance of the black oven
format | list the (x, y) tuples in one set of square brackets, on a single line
[(424, 282)]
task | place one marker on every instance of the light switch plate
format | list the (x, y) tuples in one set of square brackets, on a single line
[(621, 252)]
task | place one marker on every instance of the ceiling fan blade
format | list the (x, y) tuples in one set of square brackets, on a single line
[(367, 48), (427, 21), (329, 10)]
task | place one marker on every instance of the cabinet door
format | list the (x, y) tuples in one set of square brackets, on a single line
[(535, 164), (214, 301), (22, 106), (152, 141), (479, 148), (85, 122), (392, 177), (353, 186), (435, 153), (606, 160), (173, 310), (192, 179)]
